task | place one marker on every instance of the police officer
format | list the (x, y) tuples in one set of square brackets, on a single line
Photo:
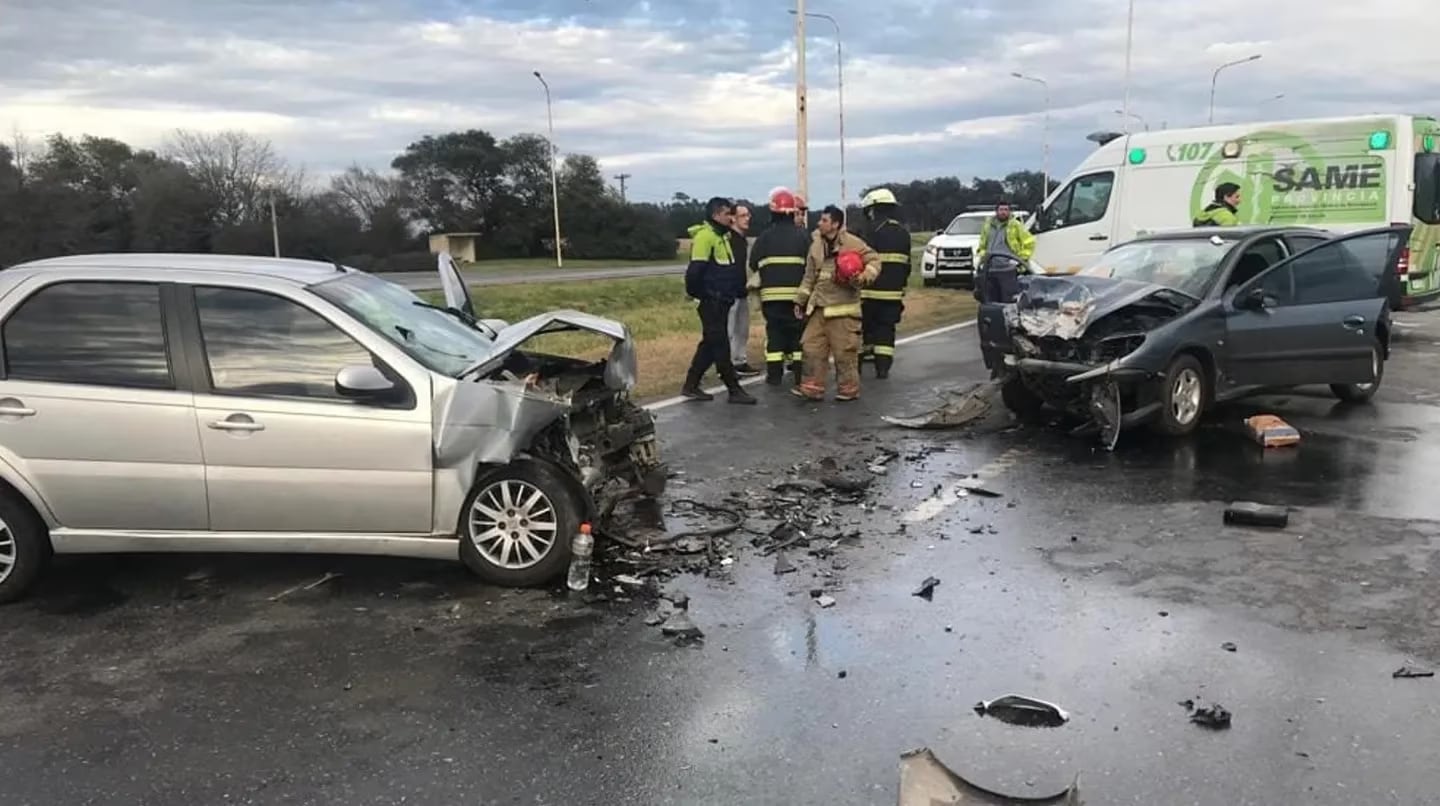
[(778, 261), (883, 301)]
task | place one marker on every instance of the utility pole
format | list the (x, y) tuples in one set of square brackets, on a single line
[(1215, 78), (802, 132), (554, 183), (1045, 142), (274, 223), (621, 178), (840, 90), (1129, 46)]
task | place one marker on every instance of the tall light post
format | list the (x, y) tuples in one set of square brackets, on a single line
[(1132, 116), (1215, 78), (802, 134), (554, 182), (1129, 47), (840, 84), (1045, 144)]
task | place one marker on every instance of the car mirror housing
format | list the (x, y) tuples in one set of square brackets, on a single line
[(1251, 299), (363, 382)]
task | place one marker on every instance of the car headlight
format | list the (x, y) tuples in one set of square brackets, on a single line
[(931, 250)]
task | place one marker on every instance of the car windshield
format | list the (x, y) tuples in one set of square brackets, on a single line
[(1184, 264), (965, 225), (435, 338)]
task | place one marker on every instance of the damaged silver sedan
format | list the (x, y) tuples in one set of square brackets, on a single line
[(224, 403), (1163, 327)]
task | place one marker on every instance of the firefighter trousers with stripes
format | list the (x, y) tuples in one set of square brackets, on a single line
[(878, 320), (782, 337)]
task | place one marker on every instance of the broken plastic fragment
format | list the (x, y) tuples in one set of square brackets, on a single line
[(926, 781), (1027, 712), (926, 590), (825, 600), (783, 564), (1249, 513), (1215, 717), (959, 409), (1412, 671)]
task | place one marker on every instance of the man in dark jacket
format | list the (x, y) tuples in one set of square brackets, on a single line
[(715, 281)]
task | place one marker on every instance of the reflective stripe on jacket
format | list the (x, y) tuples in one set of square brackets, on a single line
[(892, 241), (778, 258), (819, 289), (1020, 240)]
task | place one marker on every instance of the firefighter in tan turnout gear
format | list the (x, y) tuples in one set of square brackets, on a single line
[(838, 265), (778, 262), (883, 302)]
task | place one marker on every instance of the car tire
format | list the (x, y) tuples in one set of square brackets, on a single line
[(1362, 392), (513, 556), (24, 547), (1023, 403), (1184, 389)]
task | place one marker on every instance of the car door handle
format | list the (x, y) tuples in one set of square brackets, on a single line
[(1354, 322), (231, 425), (16, 410), (1099, 237)]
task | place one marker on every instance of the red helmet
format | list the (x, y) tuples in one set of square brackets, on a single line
[(848, 266), (782, 201)]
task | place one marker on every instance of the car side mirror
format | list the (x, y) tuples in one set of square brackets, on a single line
[(1251, 299), (364, 383), (939, 232)]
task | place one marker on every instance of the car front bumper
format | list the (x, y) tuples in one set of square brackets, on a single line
[(948, 270)]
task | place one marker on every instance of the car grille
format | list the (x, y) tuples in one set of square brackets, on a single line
[(963, 251)]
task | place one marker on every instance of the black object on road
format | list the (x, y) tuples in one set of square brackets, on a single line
[(1026, 712), (926, 590), (783, 564), (1229, 646), (1411, 671), (1215, 717), (1248, 513)]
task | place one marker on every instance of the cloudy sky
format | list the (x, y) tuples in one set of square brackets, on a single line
[(698, 97)]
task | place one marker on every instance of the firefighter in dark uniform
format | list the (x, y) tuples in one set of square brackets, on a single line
[(778, 262), (883, 301)]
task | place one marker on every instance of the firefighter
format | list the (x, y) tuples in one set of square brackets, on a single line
[(882, 302), (837, 266), (778, 263)]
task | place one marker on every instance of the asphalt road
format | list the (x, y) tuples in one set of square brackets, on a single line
[(429, 280), (1103, 582)]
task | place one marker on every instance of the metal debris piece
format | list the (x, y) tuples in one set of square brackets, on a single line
[(926, 590), (1229, 646), (655, 619), (1412, 671), (798, 485), (329, 576), (960, 408), (825, 600), (627, 579), (926, 781), (681, 627), (783, 564), (1214, 717), (1027, 712), (972, 489), (1249, 513), (1105, 411), (846, 482)]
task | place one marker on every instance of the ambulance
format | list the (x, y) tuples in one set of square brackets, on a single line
[(1335, 174)]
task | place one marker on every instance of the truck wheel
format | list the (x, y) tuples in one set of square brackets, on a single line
[(1363, 392), (1023, 403), (24, 547), (517, 523), (1183, 394)]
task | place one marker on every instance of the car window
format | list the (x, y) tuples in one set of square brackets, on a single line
[(1336, 271), (101, 334), (1302, 242), (1185, 264), (1083, 201), (1260, 256), (965, 225), (263, 345), (1427, 187)]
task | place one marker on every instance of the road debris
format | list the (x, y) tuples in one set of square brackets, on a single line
[(1271, 431), (926, 781), (682, 629), (973, 489), (1249, 513), (1213, 716), (1412, 671), (959, 408), (1028, 712), (328, 577), (825, 600), (783, 564), (1229, 646), (926, 590)]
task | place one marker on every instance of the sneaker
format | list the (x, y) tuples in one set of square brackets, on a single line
[(841, 397), (744, 370), (796, 391), (696, 393), (740, 397)]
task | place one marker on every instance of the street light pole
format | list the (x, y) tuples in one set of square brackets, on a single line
[(554, 182), (1045, 144), (802, 134), (1135, 117), (1215, 78), (1129, 46), (840, 84), (274, 223)]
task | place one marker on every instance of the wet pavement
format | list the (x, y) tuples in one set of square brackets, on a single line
[(1103, 582)]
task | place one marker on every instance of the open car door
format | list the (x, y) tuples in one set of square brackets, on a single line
[(457, 295), (1316, 317)]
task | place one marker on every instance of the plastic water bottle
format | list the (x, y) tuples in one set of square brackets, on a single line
[(580, 550)]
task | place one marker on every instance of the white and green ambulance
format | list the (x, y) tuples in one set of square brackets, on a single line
[(1337, 174)]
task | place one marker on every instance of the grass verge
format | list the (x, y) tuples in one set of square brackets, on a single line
[(548, 264), (663, 321)]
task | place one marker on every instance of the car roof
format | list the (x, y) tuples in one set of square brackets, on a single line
[(1228, 233), (302, 272)]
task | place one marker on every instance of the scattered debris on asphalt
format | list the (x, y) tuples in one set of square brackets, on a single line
[(1412, 671), (328, 577), (783, 564), (1271, 431), (1213, 716), (1229, 646), (959, 408), (973, 489), (926, 590), (680, 627), (926, 781), (1028, 712), (1249, 513), (825, 600), (843, 674)]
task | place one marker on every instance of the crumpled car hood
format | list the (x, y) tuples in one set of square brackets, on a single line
[(1064, 306), (511, 337)]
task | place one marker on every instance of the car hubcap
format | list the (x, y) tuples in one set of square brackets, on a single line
[(7, 551), (1185, 396), (513, 524)]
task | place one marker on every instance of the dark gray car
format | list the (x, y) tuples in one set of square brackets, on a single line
[(1162, 327)]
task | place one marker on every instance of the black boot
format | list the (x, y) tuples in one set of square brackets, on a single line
[(774, 373), (740, 397), (797, 372), (882, 366), (692, 389)]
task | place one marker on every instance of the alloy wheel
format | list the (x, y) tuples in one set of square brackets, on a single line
[(8, 551), (1185, 396), (513, 524)]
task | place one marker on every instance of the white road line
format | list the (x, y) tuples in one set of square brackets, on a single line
[(939, 331), (946, 498)]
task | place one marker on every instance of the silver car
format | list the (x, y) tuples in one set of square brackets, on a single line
[(239, 404)]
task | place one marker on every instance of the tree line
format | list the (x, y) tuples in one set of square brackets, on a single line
[(215, 192)]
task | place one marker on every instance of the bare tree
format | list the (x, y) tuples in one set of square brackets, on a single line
[(237, 170), (368, 191)]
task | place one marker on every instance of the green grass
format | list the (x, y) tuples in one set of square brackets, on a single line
[(663, 321), (526, 264)]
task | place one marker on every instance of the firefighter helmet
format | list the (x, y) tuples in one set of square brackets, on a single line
[(848, 266), (879, 196), (782, 201)]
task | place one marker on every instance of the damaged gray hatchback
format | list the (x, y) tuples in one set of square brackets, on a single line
[(1162, 327), (223, 403)]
